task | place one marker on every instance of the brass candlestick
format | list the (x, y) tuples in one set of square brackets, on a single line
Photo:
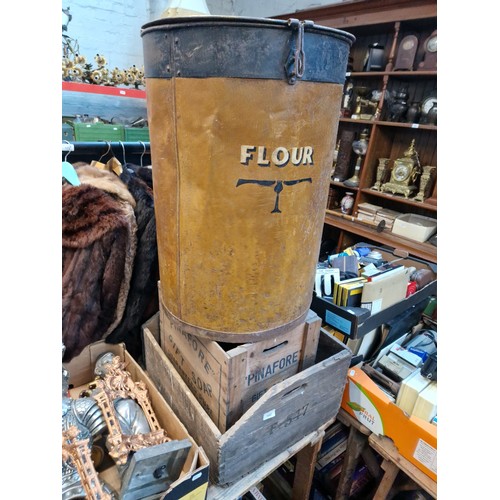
[(335, 158), (382, 171), (426, 181)]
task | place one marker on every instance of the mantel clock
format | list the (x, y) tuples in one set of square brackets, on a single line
[(404, 173)]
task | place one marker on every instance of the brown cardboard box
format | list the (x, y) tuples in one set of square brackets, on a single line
[(415, 438), (193, 480)]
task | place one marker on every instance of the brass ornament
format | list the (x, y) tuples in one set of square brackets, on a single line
[(335, 158), (382, 171), (75, 68), (404, 173), (426, 183), (366, 105)]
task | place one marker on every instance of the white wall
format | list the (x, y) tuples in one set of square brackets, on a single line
[(112, 28), (109, 27), (263, 8)]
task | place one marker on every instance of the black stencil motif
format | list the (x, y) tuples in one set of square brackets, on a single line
[(278, 187)]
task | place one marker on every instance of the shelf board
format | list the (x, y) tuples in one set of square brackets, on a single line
[(353, 120), (424, 251), (103, 90), (363, 74), (348, 15), (401, 199), (420, 126), (343, 186)]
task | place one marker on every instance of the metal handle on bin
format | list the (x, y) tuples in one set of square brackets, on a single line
[(296, 61)]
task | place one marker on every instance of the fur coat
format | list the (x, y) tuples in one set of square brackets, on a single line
[(142, 300), (99, 245)]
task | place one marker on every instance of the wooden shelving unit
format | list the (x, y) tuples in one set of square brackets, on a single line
[(385, 22), (361, 232), (103, 90)]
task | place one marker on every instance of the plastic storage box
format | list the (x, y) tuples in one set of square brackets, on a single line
[(415, 227), (67, 132), (137, 134), (99, 132)]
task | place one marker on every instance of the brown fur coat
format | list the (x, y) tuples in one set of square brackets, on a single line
[(142, 300), (99, 244)]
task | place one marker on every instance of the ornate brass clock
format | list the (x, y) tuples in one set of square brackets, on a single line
[(404, 173)]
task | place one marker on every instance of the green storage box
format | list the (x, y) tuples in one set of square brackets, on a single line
[(85, 132), (67, 132), (137, 134)]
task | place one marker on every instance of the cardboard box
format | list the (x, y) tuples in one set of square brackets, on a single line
[(415, 438), (415, 227), (192, 483), (287, 412), (228, 381), (356, 322)]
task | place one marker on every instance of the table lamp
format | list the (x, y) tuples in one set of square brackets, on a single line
[(360, 147)]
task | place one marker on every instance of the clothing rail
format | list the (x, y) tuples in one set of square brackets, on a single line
[(137, 152)]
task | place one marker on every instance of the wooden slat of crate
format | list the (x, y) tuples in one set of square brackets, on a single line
[(288, 411), (227, 383)]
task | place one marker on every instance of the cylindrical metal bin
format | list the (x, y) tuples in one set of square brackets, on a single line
[(243, 116)]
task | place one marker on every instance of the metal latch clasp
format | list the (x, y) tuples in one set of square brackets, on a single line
[(296, 61)]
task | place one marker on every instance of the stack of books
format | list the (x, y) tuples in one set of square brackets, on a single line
[(367, 211), (388, 216), (348, 292), (426, 403), (410, 389), (331, 455)]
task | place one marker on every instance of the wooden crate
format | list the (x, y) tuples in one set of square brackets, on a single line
[(227, 379), (287, 412)]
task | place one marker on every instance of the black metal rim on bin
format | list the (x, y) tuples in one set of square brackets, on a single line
[(244, 47)]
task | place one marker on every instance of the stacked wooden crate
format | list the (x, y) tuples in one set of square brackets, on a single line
[(246, 403)]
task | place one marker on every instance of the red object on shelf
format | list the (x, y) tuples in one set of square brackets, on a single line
[(412, 288), (103, 90)]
